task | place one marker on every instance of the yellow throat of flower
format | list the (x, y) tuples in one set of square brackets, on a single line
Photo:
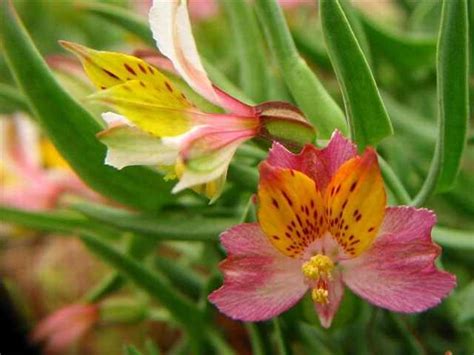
[(318, 270)]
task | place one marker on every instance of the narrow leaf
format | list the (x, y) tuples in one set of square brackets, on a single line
[(307, 90), (369, 121), (166, 226), (248, 40), (406, 52), (71, 128), (64, 222), (11, 100), (453, 238), (453, 100)]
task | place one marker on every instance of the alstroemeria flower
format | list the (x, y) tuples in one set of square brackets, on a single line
[(62, 328), (323, 224), (157, 125), (32, 173)]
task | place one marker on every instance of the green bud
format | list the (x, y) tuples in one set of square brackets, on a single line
[(285, 123)]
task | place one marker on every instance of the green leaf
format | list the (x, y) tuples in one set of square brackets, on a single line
[(120, 16), (11, 100), (453, 100), (369, 121), (453, 238), (181, 308), (453, 91), (165, 226), (307, 90), (64, 222), (248, 40), (406, 52), (71, 128)]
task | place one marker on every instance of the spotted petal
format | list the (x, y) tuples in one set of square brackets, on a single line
[(259, 282), (398, 271), (355, 203), (291, 211), (319, 164)]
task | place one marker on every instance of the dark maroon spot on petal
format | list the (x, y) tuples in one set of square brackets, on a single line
[(276, 237), (344, 204), (103, 87), (129, 69), (351, 237), (275, 203), (299, 220), (151, 70), (356, 212), (353, 186), (358, 218), (292, 172), (183, 96), (332, 190), (355, 242), (346, 227), (109, 73), (288, 235), (142, 84), (338, 189), (287, 198), (142, 68), (371, 229), (168, 86)]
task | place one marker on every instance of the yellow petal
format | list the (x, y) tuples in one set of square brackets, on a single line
[(132, 82), (355, 202), (147, 110), (291, 212)]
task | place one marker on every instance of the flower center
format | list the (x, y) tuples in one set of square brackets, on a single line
[(317, 271)]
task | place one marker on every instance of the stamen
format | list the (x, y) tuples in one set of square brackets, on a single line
[(319, 266), (320, 295), (317, 271)]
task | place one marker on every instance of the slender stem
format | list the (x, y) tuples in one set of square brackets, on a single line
[(255, 339), (394, 183), (410, 339), (280, 340)]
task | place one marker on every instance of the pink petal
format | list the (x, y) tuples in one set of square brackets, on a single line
[(326, 312), (259, 282), (319, 164), (398, 271)]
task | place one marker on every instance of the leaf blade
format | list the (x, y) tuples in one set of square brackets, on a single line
[(368, 118)]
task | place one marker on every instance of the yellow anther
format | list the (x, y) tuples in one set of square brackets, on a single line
[(319, 266), (320, 295)]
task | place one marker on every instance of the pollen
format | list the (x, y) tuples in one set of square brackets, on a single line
[(318, 267), (320, 295)]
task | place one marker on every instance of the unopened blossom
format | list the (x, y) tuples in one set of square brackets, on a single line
[(157, 125), (33, 175), (323, 224), (63, 328)]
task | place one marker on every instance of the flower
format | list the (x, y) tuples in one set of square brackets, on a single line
[(65, 326), (323, 225), (33, 175), (157, 125)]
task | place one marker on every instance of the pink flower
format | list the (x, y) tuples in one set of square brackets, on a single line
[(323, 225), (62, 328), (158, 125), (32, 173)]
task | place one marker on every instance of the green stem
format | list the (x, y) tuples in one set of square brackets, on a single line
[(13, 98), (256, 340), (280, 340), (306, 88), (453, 238), (394, 183), (410, 339)]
